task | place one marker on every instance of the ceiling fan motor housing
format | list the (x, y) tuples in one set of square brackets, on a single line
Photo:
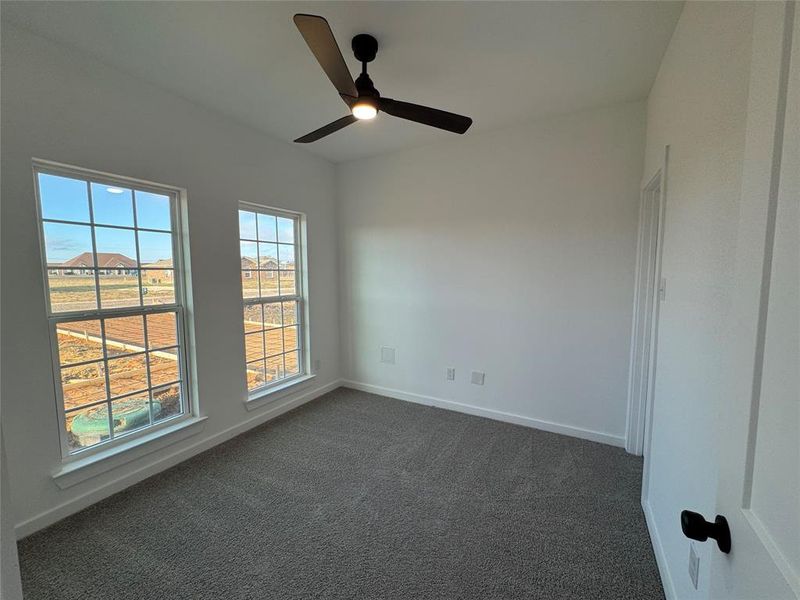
[(365, 47)]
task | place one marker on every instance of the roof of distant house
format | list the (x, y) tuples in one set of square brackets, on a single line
[(161, 263), (105, 260)]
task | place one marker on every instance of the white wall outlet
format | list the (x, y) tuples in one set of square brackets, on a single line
[(451, 374), (317, 365), (694, 565), (388, 355), (477, 377)]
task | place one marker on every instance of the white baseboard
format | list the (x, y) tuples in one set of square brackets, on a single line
[(658, 550), (578, 432), (167, 460)]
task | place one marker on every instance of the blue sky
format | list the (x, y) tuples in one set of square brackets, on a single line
[(67, 199), (270, 229)]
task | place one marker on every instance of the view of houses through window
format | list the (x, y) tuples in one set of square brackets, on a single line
[(114, 304), (271, 288)]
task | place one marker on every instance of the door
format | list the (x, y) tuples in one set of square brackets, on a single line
[(759, 437)]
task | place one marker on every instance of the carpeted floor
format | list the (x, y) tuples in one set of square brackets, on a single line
[(359, 496)]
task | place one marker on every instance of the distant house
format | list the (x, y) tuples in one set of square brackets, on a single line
[(108, 263), (250, 266), (158, 271)]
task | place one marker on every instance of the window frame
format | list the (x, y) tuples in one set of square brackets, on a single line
[(178, 307), (300, 297)]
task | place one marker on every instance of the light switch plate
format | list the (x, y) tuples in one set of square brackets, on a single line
[(451, 374)]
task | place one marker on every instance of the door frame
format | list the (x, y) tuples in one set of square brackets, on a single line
[(649, 289)]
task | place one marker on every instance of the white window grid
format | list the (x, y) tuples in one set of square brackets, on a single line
[(279, 299), (101, 314)]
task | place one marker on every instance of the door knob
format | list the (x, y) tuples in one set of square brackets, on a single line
[(695, 527)]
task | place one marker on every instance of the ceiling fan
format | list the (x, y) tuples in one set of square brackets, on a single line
[(360, 95)]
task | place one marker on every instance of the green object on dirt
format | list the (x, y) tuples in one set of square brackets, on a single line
[(128, 414)]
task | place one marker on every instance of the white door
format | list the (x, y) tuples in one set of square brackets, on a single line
[(759, 423)]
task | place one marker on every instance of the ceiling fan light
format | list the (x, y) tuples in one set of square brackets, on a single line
[(364, 111)]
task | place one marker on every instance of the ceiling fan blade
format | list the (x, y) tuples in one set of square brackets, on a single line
[(319, 37), (326, 130), (427, 116)]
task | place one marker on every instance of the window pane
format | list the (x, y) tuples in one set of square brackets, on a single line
[(87, 426), (247, 225), (272, 315), (130, 413), (250, 284), (290, 313), (286, 257), (267, 256), (253, 346), (124, 335), (167, 402), (269, 283), (117, 291), (249, 253), (116, 250), (253, 318), (274, 341), (256, 376), (152, 211), (158, 286), (63, 198), (72, 292), (275, 368), (266, 228), (112, 205), (127, 374), (290, 338), (285, 230), (287, 283), (79, 341), (155, 249), (84, 384), (164, 367), (292, 363), (162, 330), (68, 248)]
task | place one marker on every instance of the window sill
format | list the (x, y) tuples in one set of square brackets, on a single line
[(278, 392), (79, 470)]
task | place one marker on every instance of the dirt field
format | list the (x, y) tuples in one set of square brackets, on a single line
[(77, 292), (273, 283)]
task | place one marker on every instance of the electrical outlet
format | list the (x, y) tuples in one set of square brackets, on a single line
[(477, 377), (317, 365), (451, 374), (694, 565), (388, 355)]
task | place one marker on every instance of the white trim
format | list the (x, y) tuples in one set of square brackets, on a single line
[(278, 392), (646, 301), (658, 550), (496, 415), (162, 463), (77, 471)]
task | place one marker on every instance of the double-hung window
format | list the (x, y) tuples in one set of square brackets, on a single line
[(272, 288), (111, 254)]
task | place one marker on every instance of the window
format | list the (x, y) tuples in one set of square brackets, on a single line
[(271, 274), (111, 257)]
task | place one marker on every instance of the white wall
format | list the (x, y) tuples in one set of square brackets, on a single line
[(509, 252), (60, 105), (697, 106)]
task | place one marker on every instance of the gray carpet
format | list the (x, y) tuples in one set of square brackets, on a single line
[(360, 496)]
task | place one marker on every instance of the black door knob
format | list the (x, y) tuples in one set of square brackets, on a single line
[(695, 527)]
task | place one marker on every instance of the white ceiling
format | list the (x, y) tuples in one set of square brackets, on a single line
[(498, 62)]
